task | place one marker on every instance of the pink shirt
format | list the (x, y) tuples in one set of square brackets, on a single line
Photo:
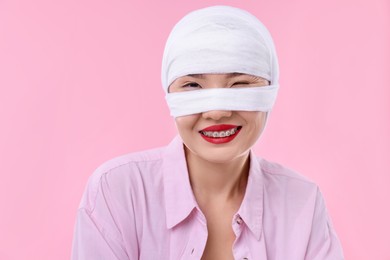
[(141, 206)]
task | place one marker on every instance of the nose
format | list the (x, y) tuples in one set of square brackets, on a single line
[(216, 114)]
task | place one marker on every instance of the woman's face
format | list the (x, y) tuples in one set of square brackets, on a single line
[(232, 133)]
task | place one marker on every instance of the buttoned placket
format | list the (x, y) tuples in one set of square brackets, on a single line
[(238, 228), (237, 225), (198, 239)]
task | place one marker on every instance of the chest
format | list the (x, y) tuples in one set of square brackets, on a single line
[(195, 238), (220, 238)]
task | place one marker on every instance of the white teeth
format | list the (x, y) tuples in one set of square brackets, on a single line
[(216, 134)]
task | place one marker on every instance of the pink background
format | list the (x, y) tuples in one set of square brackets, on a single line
[(80, 84)]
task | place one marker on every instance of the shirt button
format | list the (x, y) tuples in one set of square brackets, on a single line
[(245, 258), (192, 251), (239, 222)]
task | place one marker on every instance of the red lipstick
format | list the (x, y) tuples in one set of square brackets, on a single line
[(219, 127), (219, 134)]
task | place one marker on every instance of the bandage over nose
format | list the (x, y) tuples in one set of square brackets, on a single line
[(235, 99), (220, 39)]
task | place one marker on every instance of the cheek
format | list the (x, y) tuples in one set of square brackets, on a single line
[(184, 123), (260, 123), (253, 119), (260, 120)]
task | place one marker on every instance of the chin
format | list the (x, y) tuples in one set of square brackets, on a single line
[(223, 156)]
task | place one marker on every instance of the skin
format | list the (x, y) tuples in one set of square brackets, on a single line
[(219, 172)]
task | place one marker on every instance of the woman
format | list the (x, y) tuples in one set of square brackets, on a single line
[(206, 195)]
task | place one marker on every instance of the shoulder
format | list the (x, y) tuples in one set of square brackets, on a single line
[(275, 170), (286, 184), (121, 174), (129, 163), (146, 156)]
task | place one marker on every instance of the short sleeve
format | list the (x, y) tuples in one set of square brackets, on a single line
[(324, 243), (98, 232)]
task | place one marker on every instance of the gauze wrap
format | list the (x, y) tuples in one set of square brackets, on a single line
[(220, 39)]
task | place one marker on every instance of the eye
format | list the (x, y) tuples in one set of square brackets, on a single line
[(238, 83), (191, 85)]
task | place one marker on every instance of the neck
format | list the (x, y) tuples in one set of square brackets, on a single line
[(211, 180)]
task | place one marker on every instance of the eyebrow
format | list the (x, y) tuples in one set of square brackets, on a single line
[(229, 75)]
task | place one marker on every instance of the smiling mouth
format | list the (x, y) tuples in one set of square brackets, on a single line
[(221, 134)]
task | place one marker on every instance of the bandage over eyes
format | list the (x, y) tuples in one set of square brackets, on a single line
[(236, 99), (220, 39)]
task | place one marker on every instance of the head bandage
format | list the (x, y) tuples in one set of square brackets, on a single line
[(220, 39)]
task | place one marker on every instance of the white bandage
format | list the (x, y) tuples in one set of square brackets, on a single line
[(220, 39), (235, 99)]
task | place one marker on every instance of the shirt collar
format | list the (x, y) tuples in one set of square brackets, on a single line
[(180, 200)]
